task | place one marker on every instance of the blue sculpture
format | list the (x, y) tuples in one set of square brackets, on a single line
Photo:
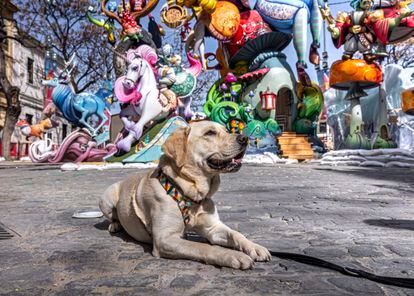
[(76, 108), (293, 16)]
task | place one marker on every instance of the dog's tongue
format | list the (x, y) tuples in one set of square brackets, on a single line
[(236, 161)]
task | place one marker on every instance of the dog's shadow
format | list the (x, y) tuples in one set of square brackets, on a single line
[(103, 225)]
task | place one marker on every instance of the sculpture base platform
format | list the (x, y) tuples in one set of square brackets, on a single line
[(143, 152)]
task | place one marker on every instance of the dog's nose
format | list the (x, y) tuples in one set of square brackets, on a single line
[(242, 140)]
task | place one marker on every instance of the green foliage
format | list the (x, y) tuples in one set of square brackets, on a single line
[(226, 108)]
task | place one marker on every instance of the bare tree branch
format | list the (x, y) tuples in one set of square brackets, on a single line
[(401, 54), (65, 23)]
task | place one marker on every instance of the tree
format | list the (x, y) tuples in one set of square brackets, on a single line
[(11, 92), (401, 54), (65, 24), (204, 82)]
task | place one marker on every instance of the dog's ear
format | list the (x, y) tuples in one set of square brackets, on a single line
[(176, 145)]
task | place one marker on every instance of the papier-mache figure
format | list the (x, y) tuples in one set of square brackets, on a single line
[(165, 72), (392, 21), (369, 24), (169, 64), (352, 29)]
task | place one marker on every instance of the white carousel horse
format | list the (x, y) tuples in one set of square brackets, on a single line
[(139, 88)]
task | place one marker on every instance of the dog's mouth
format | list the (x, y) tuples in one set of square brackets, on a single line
[(226, 165)]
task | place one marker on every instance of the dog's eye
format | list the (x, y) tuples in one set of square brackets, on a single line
[(210, 133)]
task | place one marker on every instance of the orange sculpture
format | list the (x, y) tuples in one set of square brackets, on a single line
[(36, 130), (407, 101), (344, 73), (225, 20)]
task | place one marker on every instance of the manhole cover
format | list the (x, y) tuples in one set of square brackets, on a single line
[(4, 234)]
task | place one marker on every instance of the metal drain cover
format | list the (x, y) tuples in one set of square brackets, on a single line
[(4, 234)]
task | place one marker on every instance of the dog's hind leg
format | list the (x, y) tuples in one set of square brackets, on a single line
[(107, 204)]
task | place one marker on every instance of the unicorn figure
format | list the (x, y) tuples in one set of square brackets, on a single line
[(140, 89), (76, 108)]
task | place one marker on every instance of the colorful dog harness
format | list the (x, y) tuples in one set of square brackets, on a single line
[(183, 202)]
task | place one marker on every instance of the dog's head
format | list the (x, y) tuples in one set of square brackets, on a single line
[(208, 146)]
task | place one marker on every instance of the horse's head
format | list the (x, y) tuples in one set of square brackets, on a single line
[(134, 71), (64, 76), (139, 60), (51, 82)]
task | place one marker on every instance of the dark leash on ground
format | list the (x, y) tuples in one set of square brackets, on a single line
[(166, 182), (394, 281)]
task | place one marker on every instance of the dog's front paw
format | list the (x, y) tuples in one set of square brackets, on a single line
[(238, 260), (257, 252), (114, 227)]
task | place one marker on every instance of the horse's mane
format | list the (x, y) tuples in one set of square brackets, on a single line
[(145, 52)]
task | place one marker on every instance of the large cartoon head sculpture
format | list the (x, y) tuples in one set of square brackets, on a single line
[(224, 21)]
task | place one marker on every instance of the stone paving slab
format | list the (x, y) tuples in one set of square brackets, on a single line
[(362, 217)]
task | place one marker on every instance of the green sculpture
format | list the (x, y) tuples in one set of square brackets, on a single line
[(224, 105), (309, 108)]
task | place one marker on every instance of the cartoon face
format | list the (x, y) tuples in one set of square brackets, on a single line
[(167, 50), (361, 4), (175, 60), (365, 4), (225, 21), (112, 6)]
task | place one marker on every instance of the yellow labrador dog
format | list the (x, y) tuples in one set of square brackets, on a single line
[(191, 165)]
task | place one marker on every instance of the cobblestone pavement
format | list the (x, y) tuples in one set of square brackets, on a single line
[(355, 216)]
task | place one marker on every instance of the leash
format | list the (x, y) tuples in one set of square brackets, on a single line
[(349, 271), (184, 204)]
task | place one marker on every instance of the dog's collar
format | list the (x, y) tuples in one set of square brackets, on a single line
[(183, 203)]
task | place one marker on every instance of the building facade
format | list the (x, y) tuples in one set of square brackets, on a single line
[(25, 63)]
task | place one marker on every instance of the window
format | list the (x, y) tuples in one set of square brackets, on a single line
[(322, 127), (30, 63), (64, 131), (3, 33), (29, 119)]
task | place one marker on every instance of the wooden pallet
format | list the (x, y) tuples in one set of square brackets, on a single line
[(295, 146)]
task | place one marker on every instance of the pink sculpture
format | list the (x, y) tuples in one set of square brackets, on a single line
[(77, 147)]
